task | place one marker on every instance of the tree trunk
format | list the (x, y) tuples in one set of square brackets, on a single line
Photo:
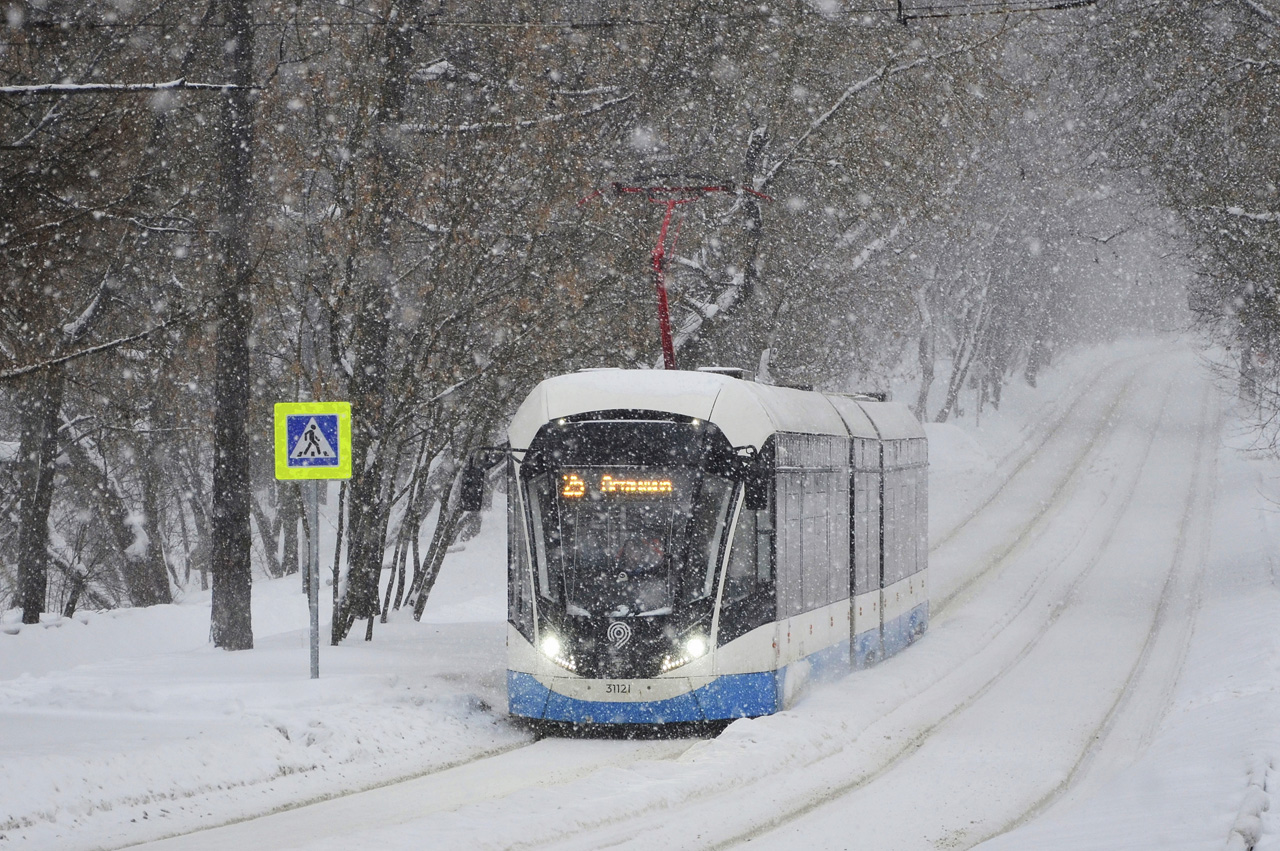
[(38, 451), (1036, 359), (369, 511), (268, 534), (441, 539), (336, 625), (157, 571), (287, 497), (231, 620), (925, 352)]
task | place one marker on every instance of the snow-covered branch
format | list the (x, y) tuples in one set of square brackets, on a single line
[(1262, 12), (73, 331), (876, 245), (27, 369), (1241, 213), (480, 126), (102, 88), (883, 73)]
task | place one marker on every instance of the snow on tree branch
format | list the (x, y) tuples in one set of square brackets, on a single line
[(102, 88), (1241, 213), (480, 126), (1262, 12), (19, 371), (883, 73)]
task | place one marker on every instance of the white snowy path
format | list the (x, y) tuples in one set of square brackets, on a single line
[(1102, 671)]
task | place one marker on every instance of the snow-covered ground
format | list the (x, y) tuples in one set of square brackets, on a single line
[(1102, 671)]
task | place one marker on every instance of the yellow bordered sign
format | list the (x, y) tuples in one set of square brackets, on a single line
[(313, 440)]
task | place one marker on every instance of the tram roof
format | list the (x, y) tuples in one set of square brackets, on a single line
[(745, 411)]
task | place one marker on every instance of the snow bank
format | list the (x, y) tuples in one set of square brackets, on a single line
[(127, 725)]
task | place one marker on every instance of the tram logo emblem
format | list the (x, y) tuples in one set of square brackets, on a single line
[(619, 633)]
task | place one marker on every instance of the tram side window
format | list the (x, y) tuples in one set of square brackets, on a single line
[(861, 577), (743, 572), (790, 544), (825, 517), (749, 598), (868, 533), (710, 518), (540, 505), (900, 519), (519, 585), (902, 480), (910, 558), (817, 555), (838, 503), (922, 505), (892, 540)]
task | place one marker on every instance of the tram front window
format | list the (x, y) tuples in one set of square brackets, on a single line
[(628, 542)]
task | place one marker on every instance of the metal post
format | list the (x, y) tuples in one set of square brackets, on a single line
[(659, 265), (671, 196), (313, 573)]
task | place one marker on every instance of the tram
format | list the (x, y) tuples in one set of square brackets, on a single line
[(691, 546)]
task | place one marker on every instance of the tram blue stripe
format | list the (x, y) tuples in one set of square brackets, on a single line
[(729, 696), (526, 696), (830, 662), (866, 649), (905, 629), (739, 695)]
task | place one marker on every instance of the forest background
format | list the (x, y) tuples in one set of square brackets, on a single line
[(210, 207)]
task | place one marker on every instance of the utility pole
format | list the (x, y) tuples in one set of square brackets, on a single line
[(681, 189)]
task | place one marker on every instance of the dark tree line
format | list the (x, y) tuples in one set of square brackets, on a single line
[(248, 201)]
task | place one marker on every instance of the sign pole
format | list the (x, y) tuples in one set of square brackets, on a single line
[(313, 442), (313, 573)]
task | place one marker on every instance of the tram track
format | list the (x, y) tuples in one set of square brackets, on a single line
[(1047, 426), (1174, 616), (1018, 537), (915, 736), (491, 776)]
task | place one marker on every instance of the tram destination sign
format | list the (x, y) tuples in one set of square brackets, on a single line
[(575, 485), (313, 440)]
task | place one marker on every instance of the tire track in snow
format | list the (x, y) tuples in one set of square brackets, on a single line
[(1046, 428), (1172, 624), (1023, 532)]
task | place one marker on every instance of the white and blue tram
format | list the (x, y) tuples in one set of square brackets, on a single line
[(691, 547)]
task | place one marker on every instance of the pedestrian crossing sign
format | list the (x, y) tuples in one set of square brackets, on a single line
[(313, 440)]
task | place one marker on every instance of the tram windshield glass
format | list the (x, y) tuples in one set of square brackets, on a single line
[(628, 539)]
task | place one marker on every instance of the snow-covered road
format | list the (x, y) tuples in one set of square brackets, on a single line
[(1098, 673)]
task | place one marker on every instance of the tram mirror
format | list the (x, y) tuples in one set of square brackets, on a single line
[(756, 485), (472, 496)]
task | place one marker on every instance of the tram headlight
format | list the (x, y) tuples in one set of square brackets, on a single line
[(553, 648), (693, 647)]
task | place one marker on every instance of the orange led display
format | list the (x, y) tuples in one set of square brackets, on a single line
[(608, 484), (573, 486)]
